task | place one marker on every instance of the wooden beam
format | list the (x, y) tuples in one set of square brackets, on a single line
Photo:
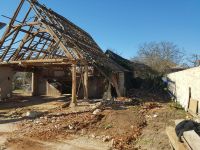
[(11, 32), (74, 98), (23, 42), (49, 49), (37, 34), (85, 82), (33, 47), (41, 50), (41, 61), (35, 23), (34, 85), (56, 38), (24, 53), (14, 36), (11, 22)]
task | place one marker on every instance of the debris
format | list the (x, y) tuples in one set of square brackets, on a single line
[(108, 126), (154, 116), (152, 105), (106, 138), (33, 114), (36, 121), (97, 111), (71, 127), (92, 135), (53, 121), (97, 105), (65, 105)]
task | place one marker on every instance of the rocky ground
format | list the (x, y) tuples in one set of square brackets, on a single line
[(126, 123)]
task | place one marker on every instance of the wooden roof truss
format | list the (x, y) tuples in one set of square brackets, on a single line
[(42, 35)]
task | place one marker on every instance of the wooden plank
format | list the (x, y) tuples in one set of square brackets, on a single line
[(177, 121), (174, 139), (186, 144), (193, 105), (193, 139), (56, 38)]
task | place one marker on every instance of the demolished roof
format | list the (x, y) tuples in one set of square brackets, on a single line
[(125, 63), (44, 35), (130, 66)]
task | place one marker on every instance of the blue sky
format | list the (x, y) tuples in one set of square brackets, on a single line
[(123, 25)]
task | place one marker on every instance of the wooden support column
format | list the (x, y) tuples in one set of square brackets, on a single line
[(15, 34), (34, 85), (74, 99), (85, 83)]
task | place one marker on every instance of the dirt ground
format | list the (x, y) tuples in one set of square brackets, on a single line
[(121, 124)]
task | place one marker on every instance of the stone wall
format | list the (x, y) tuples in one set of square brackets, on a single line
[(6, 75), (182, 82)]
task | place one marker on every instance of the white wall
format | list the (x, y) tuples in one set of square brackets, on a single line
[(183, 80)]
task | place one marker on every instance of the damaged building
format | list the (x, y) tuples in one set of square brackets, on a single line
[(63, 58)]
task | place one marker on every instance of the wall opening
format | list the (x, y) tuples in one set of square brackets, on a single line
[(21, 83)]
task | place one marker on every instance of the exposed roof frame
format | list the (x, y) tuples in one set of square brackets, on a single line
[(48, 35)]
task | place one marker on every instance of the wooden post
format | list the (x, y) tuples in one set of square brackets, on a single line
[(85, 83), (74, 100), (34, 84)]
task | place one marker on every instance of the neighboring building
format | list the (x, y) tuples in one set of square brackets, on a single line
[(134, 72), (185, 87)]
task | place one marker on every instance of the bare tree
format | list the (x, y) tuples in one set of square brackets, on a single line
[(160, 56), (194, 60)]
